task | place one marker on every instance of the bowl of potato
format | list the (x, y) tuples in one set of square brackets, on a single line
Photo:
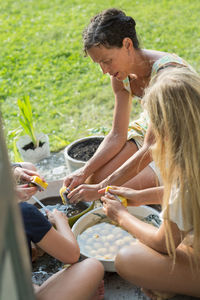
[(101, 238)]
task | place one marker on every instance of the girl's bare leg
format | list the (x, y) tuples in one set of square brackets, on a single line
[(145, 179), (80, 281), (151, 270)]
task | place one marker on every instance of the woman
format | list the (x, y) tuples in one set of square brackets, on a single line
[(168, 259), (111, 41)]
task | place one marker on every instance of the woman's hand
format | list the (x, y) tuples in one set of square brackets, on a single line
[(73, 180), (133, 196), (24, 192), (55, 215), (113, 208), (84, 192)]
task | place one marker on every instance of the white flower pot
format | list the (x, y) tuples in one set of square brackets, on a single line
[(74, 164), (34, 155)]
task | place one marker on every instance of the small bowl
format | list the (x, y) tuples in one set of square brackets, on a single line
[(93, 217), (51, 196), (85, 207)]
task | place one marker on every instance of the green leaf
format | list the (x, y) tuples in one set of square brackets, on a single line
[(26, 119)]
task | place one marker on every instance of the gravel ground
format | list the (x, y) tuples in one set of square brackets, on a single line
[(53, 167)]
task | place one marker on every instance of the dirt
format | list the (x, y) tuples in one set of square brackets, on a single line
[(86, 149), (31, 146), (69, 209), (44, 267)]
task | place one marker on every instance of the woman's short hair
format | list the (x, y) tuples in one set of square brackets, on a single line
[(109, 28)]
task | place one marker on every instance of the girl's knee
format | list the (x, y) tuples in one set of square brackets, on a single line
[(128, 260), (95, 265)]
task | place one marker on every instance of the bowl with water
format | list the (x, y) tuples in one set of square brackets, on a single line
[(101, 238), (51, 199)]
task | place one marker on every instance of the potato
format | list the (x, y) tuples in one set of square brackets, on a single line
[(110, 237), (102, 251), (120, 242)]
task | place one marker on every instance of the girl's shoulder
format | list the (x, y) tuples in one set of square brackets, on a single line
[(167, 60)]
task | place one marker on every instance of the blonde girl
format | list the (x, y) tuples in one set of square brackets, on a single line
[(168, 259)]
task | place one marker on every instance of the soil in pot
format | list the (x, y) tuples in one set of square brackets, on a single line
[(85, 149), (31, 146), (70, 209)]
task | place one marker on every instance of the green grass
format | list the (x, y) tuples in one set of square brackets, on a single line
[(41, 56)]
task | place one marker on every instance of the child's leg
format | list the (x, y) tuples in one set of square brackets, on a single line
[(151, 270), (80, 281)]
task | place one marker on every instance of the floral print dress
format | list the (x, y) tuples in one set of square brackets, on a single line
[(137, 128)]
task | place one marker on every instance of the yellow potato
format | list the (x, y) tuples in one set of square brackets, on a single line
[(119, 242), (102, 251), (110, 237), (93, 253), (113, 249), (127, 239)]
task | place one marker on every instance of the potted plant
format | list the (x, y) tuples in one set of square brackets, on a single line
[(33, 146), (80, 151)]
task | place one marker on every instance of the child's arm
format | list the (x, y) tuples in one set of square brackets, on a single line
[(60, 243), (137, 197), (145, 233)]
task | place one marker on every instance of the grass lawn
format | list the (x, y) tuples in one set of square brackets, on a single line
[(41, 56)]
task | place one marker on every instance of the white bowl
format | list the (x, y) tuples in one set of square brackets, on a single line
[(95, 215)]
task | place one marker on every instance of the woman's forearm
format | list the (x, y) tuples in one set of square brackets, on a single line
[(111, 145), (134, 164)]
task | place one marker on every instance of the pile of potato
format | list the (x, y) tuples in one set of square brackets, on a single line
[(104, 240)]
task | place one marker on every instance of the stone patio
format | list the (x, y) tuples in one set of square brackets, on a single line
[(54, 168)]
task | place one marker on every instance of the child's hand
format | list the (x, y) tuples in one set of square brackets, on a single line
[(129, 194), (55, 215), (24, 175), (24, 192), (112, 208)]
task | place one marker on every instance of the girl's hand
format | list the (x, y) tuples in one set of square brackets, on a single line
[(55, 215), (113, 208), (73, 180), (24, 192), (131, 195)]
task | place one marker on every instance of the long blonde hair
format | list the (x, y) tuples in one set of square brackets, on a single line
[(173, 104)]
